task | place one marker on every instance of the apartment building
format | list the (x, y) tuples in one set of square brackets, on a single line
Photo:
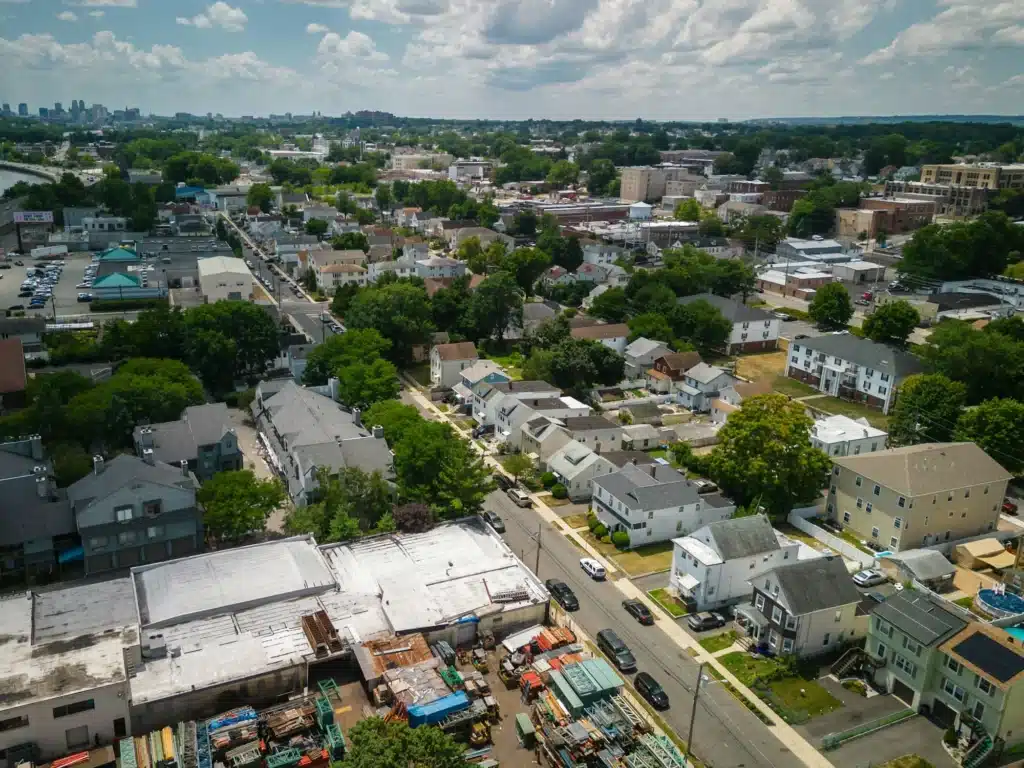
[(648, 183), (986, 176), (917, 495), (949, 200), (842, 436), (753, 329)]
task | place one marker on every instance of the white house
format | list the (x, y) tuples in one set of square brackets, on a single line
[(843, 436), (575, 466), (805, 608), (402, 267), (701, 385), (603, 253), (515, 411), (542, 436), (448, 361), (753, 329), (595, 432), (731, 397), (654, 503), (224, 278), (640, 355), (333, 276), (440, 266), (612, 335), (287, 247), (713, 566), (488, 396)]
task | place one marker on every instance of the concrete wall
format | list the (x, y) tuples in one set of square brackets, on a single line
[(798, 519)]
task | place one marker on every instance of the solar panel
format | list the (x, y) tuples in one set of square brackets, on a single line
[(990, 657)]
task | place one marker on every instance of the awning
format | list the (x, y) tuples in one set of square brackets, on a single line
[(752, 615), (688, 583)]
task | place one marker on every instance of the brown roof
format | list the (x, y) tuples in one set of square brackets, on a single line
[(681, 361), (342, 268), (12, 366), (463, 350), (995, 655), (752, 388), (594, 332), (403, 651), (929, 468)]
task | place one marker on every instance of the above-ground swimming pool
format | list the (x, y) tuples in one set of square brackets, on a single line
[(999, 605)]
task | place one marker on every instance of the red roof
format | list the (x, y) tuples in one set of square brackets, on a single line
[(12, 366)]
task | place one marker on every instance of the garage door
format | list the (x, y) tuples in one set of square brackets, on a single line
[(903, 692), (77, 737), (943, 713)]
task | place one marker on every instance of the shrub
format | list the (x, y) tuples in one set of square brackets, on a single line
[(559, 491), (606, 539), (949, 737), (125, 305), (620, 539), (592, 521), (600, 530), (547, 479)]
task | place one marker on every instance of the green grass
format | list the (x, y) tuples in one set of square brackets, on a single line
[(807, 696), (838, 407), (846, 535), (907, 761), (420, 374), (746, 667), (651, 558), (965, 602), (719, 642), (575, 521), (671, 605), (787, 386), (512, 363)]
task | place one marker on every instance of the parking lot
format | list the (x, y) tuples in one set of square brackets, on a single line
[(64, 299)]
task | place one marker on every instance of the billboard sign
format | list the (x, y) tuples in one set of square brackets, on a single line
[(33, 217)]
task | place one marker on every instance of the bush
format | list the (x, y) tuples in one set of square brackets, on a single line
[(559, 491), (592, 520), (949, 737), (606, 539), (125, 305), (547, 479), (600, 530), (620, 539), (241, 399)]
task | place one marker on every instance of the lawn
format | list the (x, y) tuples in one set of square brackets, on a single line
[(672, 605), (965, 602), (651, 558), (575, 521), (799, 695), (787, 386), (907, 761), (512, 363), (420, 374), (747, 667), (839, 407), (796, 534), (763, 365), (845, 534), (551, 501), (719, 642)]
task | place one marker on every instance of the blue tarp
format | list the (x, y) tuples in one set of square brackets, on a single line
[(437, 710), (71, 555)]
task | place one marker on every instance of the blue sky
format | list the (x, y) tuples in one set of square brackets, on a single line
[(658, 59)]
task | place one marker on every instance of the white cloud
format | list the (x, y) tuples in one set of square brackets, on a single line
[(109, 3), (355, 45), (96, 14), (316, 29), (220, 14), (67, 16)]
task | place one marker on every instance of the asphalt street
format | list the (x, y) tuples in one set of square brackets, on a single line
[(726, 734)]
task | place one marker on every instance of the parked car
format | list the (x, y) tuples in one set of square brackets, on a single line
[(705, 486), (871, 577), (651, 690), (563, 594), (638, 611), (83, 297), (867, 295), (483, 429), (592, 568), (494, 520), (1009, 508), (701, 622), (502, 482), (611, 644), (520, 498), (19, 263), (878, 597), (15, 307), (862, 303)]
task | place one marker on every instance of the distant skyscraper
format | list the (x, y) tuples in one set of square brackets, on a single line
[(44, 112), (81, 105), (57, 107), (7, 108), (23, 109)]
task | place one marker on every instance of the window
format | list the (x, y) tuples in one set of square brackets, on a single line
[(901, 502), (127, 538), (877, 490), (679, 526), (791, 622), (954, 665), (860, 503), (120, 730), (949, 496), (967, 493), (846, 517), (983, 685), (874, 533), (77, 737), (839, 614), (794, 359), (12, 723), (776, 614), (952, 689), (907, 666), (775, 591), (787, 645), (858, 481), (759, 602), (856, 450), (978, 711), (767, 584), (152, 508), (881, 650), (826, 638), (986, 490), (98, 542), (868, 508), (74, 708), (893, 542), (154, 532), (123, 514), (911, 646)]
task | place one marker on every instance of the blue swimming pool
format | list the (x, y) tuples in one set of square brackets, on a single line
[(1000, 605)]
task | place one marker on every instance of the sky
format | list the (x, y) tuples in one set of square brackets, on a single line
[(517, 59)]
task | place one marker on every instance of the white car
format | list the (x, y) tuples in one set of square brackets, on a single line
[(871, 577), (592, 568)]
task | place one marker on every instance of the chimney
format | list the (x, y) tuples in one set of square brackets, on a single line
[(43, 487), (97, 464), (378, 431), (37, 447), (357, 417), (184, 468), (147, 456), (146, 438)]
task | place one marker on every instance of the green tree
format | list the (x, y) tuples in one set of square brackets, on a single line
[(831, 306), (343, 349), (463, 483), (261, 196), (350, 241), (765, 453), (611, 306), (892, 323), (997, 426), (210, 356), (237, 503), (383, 197), (317, 227), (518, 464), (601, 174), (702, 325), (651, 325), (990, 362), (377, 744), (363, 383), (346, 505), (687, 210), (926, 410), (563, 174), (578, 365), (400, 312), (396, 418), (413, 517), (526, 265), (524, 223), (538, 365), (495, 306), (984, 246), (711, 226), (471, 251), (773, 175), (71, 462), (251, 329)]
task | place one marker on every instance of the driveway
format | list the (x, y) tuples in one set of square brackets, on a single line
[(252, 452), (916, 736)]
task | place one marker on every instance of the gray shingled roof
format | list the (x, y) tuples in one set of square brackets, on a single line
[(922, 617), (743, 536), (704, 373), (644, 346), (587, 423), (734, 311), (816, 585), (865, 352), (175, 441), (23, 515), (925, 564), (122, 470), (654, 486)]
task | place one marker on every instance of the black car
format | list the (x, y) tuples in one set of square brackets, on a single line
[(494, 521), (638, 611), (15, 307), (502, 482), (651, 690), (563, 595)]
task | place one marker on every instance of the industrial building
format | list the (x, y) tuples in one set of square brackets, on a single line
[(184, 639)]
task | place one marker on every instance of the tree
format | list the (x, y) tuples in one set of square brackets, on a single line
[(237, 503), (351, 241), (611, 306), (831, 306), (495, 306), (397, 419), (251, 329), (518, 464), (702, 325), (765, 454), (984, 246), (343, 349), (412, 517), (990, 362), (773, 175), (687, 210), (71, 462), (209, 356), (526, 265), (383, 196), (997, 426), (651, 325), (732, 277), (601, 174), (463, 483), (711, 226), (563, 174), (347, 504), (377, 744), (578, 365), (400, 312), (524, 223), (892, 323), (261, 196), (317, 227), (361, 384), (550, 332), (926, 410), (471, 251)]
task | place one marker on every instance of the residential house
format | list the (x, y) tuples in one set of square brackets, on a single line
[(753, 329), (534, 313), (598, 290), (203, 438), (592, 273), (917, 495), (640, 355), (333, 276), (731, 397), (621, 458), (28, 330), (713, 566), (486, 371), (603, 253), (440, 266), (380, 253), (306, 432), (642, 413), (843, 436), (701, 385), (595, 432), (447, 361), (13, 374), (641, 437), (407, 217), (542, 436), (488, 396), (402, 267), (457, 237), (806, 608), (287, 247), (133, 510), (669, 371), (817, 249), (654, 503), (851, 368), (557, 275), (612, 335), (415, 249), (224, 278), (36, 521), (515, 411), (576, 466), (435, 284), (927, 566)]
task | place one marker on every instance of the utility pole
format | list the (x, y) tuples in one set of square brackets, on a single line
[(693, 712), (536, 563)]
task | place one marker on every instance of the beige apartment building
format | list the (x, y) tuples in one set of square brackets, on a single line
[(984, 176), (647, 183), (918, 495)]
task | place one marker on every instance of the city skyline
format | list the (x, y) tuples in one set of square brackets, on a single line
[(515, 59)]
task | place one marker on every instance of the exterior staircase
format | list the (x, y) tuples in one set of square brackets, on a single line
[(979, 752), (847, 663)]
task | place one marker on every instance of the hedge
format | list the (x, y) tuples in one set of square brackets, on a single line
[(600, 530), (547, 479), (125, 305), (559, 491)]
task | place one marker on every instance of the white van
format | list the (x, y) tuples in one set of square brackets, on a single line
[(519, 497)]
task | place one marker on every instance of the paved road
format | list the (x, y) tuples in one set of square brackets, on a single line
[(726, 735)]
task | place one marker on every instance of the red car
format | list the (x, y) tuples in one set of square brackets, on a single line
[(1009, 508)]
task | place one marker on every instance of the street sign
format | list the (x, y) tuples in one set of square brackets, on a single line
[(33, 217)]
